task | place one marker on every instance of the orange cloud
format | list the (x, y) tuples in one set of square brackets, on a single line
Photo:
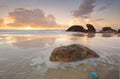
[(1, 22), (35, 18)]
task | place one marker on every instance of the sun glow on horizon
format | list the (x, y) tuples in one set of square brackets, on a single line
[(28, 28)]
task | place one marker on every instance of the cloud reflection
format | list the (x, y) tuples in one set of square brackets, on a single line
[(40, 41), (28, 41)]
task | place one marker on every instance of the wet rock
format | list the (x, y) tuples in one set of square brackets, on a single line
[(108, 30), (76, 28), (90, 29), (70, 53)]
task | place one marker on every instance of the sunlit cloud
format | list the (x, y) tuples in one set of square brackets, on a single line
[(97, 12), (96, 20), (107, 5), (85, 9), (83, 14), (36, 18), (88, 7), (1, 22)]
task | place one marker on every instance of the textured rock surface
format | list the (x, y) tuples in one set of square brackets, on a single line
[(74, 52)]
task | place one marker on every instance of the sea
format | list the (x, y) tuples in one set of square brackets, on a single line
[(24, 54)]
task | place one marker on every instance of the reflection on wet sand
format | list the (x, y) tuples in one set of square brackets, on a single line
[(88, 35), (39, 41), (28, 41), (91, 35), (32, 42), (24, 62), (108, 34), (79, 34)]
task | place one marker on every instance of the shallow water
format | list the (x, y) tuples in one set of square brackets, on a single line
[(26, 56)]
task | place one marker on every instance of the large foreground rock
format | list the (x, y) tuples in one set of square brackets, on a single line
[(74, 52), (76, 28)]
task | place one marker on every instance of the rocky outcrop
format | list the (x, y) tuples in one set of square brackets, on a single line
[(70, 53), (118, 30), (76, 28), (108, 30), (90, 29)]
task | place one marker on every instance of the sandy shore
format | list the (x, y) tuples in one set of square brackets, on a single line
[(31, 60), (82, 71)]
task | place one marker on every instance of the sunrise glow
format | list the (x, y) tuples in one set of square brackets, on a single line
[(54, 17), (28, 28)]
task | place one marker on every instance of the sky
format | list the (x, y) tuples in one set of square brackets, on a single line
[(58, 14)]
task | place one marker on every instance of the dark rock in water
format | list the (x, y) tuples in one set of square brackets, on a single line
[(118, 30), (74, 52), (108, 30), (76, 28), (90, 29)]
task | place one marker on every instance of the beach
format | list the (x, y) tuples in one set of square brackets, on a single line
[(26, 55)]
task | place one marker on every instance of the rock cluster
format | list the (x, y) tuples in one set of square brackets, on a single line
[(70, 53), (79, 28), (91, 29)]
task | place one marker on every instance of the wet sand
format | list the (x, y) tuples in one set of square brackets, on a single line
[(81, 71), (27, 57)]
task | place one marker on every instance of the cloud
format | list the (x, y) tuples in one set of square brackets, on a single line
[(35, 18), (1, 22), (104, 7), (94, 20), (85, 9), (1, 5)]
